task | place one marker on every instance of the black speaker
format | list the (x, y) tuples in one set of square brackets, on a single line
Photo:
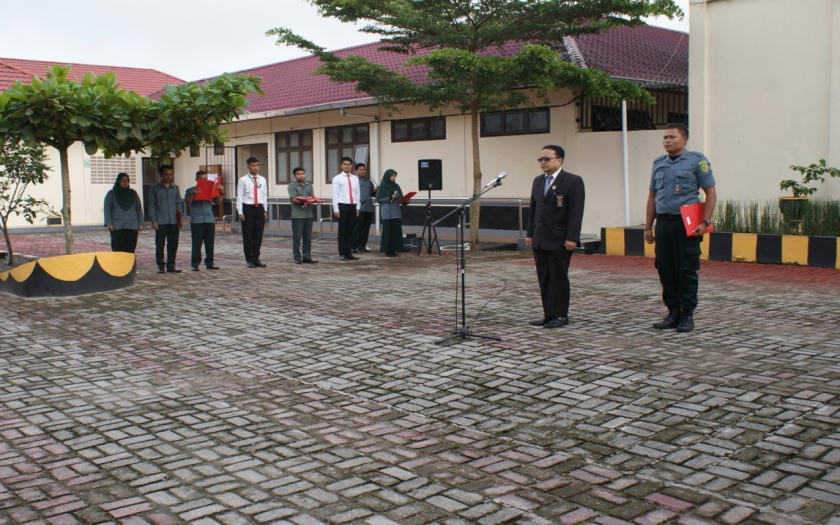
[(430, 174)]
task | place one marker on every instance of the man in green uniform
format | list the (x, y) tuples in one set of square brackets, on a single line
[(676, 179)]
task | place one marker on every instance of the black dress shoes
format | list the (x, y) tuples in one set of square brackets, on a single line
[(309, 261), (557, 322), (259, 264), (298, 261), (539, 322), (352, 257), (392, 254), (195, 268), (212, 267), (345, 258), (364, 250), (172, 269), (161, 269), (251, 265)]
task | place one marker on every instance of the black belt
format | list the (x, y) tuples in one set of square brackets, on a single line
[(668, 218)]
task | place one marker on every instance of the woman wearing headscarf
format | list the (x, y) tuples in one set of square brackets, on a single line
[(123, 215), (388, 196)]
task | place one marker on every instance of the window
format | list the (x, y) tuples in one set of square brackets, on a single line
[(343, 141), (608, 118), (418, 129), (294, 148), (515, 122), (244, 152)]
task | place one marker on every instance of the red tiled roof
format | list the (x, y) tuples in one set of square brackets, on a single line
[(645, 53), (142, 81)]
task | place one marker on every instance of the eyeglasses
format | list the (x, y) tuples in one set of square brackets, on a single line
[(546, 159)]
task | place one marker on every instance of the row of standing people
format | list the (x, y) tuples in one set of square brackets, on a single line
[(554, 225), (124, 216)]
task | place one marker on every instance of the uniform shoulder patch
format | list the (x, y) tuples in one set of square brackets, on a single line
[(704, 166)]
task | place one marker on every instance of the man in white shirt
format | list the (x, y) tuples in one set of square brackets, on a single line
[(345, 207), (252, 207)]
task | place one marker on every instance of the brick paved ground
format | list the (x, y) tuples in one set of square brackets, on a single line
[(315, 394)]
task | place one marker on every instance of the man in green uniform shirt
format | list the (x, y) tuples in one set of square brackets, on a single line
[(676, 179), (302, 217)]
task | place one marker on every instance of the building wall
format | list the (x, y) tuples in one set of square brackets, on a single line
[(595, 156), (765, 90)]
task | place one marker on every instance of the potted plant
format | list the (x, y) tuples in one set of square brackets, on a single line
[(793, 207)]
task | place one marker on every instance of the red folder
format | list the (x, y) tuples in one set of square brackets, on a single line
[(206, 187), (216, 184), (407, 197), (306, 201), (692, 215)]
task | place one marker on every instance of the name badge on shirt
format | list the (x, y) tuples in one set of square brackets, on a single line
[(677, 190), (561, 200)]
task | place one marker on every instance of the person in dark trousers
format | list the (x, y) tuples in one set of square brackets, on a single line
[(202, 224), (165, 207), (123, 215), (554, 223), (388, 196), (361, 230), (302, 217), (252, 207), (346, 198), (676, 179)]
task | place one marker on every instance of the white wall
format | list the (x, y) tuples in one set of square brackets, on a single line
[(764, 83), (597, 157)]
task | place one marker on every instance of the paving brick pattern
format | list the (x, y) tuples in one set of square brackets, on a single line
[(317, 395)]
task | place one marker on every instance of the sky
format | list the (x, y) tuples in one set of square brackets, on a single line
[(189, 39)]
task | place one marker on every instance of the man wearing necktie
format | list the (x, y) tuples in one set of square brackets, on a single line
[(252, 207), (554, 222), (346, 197)]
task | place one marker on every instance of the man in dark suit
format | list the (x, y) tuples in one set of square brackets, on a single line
[(554, 223)]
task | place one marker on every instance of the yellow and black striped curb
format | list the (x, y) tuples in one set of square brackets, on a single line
[(822, 252), (65, 275)]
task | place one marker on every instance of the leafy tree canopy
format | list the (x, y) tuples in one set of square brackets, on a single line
[(478, 55), (58, 111)]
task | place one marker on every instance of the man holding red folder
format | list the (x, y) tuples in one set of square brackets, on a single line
[(676, 180), (199, 200)]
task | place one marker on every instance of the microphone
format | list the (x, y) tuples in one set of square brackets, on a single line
[(498, 180)]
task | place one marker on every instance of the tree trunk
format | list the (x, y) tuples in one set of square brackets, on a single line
[(475, 207), (65, 201), (8, 244)]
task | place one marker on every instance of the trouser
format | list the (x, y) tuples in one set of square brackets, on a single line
[(202, 232), (346, 220), (166, 234), (124, 241), (252, 231), (361, 231), (677, 261), (302, 231), (553, 276)]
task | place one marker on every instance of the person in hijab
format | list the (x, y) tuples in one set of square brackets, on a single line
[(123, 215), (388, 196)]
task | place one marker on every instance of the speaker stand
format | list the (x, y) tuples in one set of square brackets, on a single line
[(429, 227)]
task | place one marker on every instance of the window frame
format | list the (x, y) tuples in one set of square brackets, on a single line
[(301, 149), (343, 148), (527, 130), (426, 122)]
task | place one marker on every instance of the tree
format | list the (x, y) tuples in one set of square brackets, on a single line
[(59, 112), (461, 44), (20, 166)]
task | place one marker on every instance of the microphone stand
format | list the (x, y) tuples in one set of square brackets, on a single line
[(463, 331)]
